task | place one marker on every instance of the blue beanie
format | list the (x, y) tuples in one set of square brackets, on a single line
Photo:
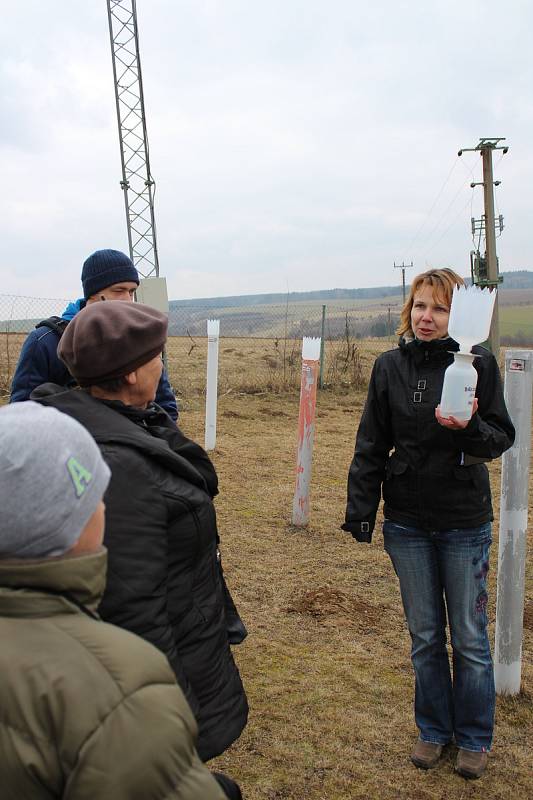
[(104, 268)]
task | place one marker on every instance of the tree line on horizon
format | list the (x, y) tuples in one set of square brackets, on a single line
[(518, 279)]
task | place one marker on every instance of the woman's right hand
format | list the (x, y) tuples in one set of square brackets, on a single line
[(452, 423)]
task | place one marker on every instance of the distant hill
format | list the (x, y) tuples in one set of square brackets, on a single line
[(519, 279), (292, 297)]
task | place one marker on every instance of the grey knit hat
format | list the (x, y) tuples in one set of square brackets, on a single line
[(104, 268), (52, 477)]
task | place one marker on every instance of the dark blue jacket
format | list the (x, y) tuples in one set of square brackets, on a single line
[(39, 363)]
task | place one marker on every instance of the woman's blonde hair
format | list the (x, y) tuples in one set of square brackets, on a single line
[(442, 281)]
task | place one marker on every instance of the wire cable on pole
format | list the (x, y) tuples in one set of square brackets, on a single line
[(428, 243), (445, 231), (434, 203)]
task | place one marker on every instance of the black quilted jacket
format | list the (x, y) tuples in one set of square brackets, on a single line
[(163, 579), (431, 478)]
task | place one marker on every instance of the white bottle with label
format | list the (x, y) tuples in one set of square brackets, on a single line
[(459, 388), (469, 324)]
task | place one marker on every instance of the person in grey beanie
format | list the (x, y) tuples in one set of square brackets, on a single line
[(74, 688), (106, 275), (52, 480)]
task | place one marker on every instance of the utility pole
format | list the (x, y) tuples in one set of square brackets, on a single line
[(492, 279), (137, 182), (403, 267)]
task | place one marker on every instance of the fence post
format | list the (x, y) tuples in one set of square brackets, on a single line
[(513, 525), (322, 336), (213, 330), (306, 430)]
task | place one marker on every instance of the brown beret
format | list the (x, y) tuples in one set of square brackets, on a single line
[(108, 340)]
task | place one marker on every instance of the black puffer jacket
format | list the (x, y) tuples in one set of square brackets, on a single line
[(163, 578), (432, 477)]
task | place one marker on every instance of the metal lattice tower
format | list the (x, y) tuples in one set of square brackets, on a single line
[(137, 182)]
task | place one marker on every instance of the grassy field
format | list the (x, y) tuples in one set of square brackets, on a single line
[(250, 365), (326, 665), (515, 320)]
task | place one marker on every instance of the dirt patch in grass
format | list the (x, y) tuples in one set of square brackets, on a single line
[(229, 414), (333, 606), (273, 412)]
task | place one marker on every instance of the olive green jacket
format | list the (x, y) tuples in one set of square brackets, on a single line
[(88, 711)]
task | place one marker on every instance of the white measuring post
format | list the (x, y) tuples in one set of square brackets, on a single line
[(211, 395), (513, 525), (306, 430)]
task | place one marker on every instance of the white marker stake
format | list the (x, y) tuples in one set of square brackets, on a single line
[(213, 328), (306, 430), (513, 525)]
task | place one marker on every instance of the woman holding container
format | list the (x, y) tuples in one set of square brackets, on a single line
[(437, 517)]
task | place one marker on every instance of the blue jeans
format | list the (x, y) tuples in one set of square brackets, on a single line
[(445, 572)]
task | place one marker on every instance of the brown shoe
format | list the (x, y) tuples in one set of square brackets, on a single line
[(426, 754), (471, 764)]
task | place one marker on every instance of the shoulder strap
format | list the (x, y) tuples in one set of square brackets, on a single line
[(56, 324)]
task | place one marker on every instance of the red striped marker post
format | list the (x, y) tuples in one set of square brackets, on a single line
[(306, 430)]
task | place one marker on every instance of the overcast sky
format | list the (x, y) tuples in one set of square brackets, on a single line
[(296, 144)]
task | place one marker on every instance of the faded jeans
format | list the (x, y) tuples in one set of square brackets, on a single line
[(444, 572)]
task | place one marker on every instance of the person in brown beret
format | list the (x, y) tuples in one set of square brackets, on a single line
[(164, 582)]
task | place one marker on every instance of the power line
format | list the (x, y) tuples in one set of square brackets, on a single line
[(435, 201), (445, 231), (427, 243)]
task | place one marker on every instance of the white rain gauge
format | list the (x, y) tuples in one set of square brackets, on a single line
[(211, 393), (469, 324)]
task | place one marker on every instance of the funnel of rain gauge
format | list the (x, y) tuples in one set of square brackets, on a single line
[(469, 324)]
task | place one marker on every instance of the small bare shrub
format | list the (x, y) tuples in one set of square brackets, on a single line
[(344, 363)]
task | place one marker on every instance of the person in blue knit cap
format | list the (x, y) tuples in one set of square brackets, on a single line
[(106, 275)]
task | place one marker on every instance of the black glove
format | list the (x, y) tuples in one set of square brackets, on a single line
[(235, 627), (361, 531), (228, 786)]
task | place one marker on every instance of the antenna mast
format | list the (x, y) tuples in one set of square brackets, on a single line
[(137, 182)]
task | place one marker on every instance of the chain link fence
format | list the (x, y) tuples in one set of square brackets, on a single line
[(260, 345)]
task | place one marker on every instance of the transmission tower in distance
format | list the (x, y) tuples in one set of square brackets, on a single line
[(137, 182)]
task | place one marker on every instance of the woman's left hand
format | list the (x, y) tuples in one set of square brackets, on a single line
[(452, 423)]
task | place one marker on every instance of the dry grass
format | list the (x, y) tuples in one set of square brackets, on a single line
[(253, 366), (10, 344), (260, 366), (326, 664)]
